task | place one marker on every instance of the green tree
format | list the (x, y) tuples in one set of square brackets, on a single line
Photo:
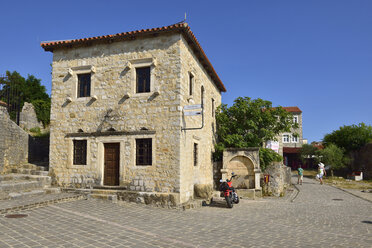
[(350, 138), (307, 152), (29, 90), (42, 109), (250, 123), (333, 156)]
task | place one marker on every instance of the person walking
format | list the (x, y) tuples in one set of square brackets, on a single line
[(321, 172), (300, 175)]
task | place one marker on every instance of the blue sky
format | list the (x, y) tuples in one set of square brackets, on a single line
[(314, 54)]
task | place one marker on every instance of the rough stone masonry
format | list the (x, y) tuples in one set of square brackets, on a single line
[(116, 112)]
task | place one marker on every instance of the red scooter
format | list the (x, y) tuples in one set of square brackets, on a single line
[(229, 192)]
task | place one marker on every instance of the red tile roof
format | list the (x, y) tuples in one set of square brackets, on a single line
[(293, 109), (182, 28)]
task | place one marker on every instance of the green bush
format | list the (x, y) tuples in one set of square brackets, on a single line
[(42, 109)]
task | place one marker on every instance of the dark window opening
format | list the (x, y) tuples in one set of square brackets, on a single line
[(191, 81), (143, 151), (195, 154), (212, 107), (84, 85), (143, 79), (80, 152)]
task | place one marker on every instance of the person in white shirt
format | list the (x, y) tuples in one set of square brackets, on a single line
[(321, 172)]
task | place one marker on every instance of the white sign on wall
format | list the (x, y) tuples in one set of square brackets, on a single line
[(273, 145), (191, 113), (190, 107)]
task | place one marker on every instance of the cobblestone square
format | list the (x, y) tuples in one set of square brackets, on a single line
[(319, 216)]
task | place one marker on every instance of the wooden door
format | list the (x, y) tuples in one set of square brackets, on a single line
[(112, 159)]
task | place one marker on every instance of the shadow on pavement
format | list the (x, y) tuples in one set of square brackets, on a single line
[(217, 204)]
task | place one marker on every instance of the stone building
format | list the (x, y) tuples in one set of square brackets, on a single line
[(118, 115), (290, 143)]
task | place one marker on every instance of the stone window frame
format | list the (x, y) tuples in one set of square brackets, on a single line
[(294, 138), (74, 72), (70, 155), (138, 63), (80, 142), (147, 155), (134, 151), (80, 77)]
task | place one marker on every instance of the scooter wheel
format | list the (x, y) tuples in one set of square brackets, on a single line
[(229, 202)]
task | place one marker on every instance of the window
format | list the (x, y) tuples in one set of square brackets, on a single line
[(80, 152), (295, 119), (83, 85), (212, 107), (143, 151), (294, 139), (285, 138), (143, 79), (195, 154), (191, 82)]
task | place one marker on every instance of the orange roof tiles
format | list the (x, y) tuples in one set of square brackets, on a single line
[(293, 109), (182, 28)]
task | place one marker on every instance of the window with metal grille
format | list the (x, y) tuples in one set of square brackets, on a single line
[(80, 152), (83, 85), (143, 151), (143, 79), (195, 154)]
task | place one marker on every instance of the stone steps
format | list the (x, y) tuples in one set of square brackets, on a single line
[(24, 181), (35, 201), (108, 197), (13, 196), (23, 177)]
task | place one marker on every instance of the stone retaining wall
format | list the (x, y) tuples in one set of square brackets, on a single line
[(28, 118), (13, 142), (280, 179)]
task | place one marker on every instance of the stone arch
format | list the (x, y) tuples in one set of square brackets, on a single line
[(245, 163), (243, 168)]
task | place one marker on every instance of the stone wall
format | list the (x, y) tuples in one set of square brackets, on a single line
[(280, 179), (13, 142), (204, 90), (298, 130), (28, 118), (115, 105)]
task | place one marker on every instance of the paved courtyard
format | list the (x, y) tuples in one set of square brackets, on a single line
[(319, 216)]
